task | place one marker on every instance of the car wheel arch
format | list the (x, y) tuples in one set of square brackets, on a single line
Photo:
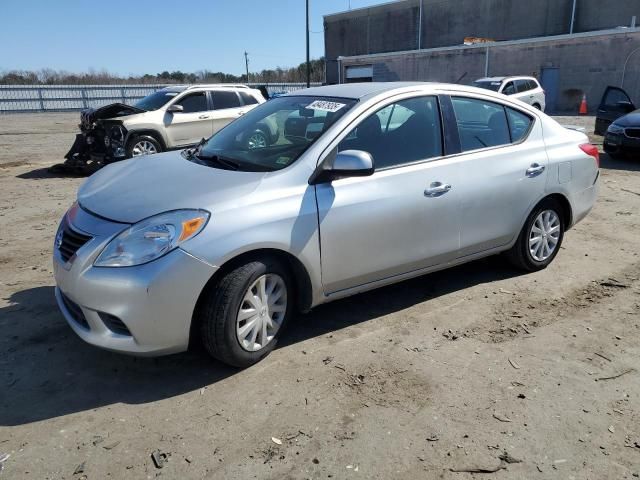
[(302, 281), (152, 133), (560, 199)]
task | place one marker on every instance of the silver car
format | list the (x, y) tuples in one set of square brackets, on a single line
[(366, 185)]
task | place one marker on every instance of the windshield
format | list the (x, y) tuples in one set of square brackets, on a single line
[(155, 100), (273, 135), (488, 85)]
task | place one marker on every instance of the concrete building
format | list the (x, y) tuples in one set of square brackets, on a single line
[(572, 46)]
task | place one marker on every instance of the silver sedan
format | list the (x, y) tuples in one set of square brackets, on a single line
[(366, 185)]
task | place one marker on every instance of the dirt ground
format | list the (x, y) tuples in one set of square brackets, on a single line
[(451, 371)]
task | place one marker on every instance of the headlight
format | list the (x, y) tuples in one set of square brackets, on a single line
[(152, 238), (617, 129)]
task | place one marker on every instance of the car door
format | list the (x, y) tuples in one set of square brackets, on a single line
[(525, 91), (226, 108), (614, 104), (402, 218), (509, 88), (503, 165), (193, 123)]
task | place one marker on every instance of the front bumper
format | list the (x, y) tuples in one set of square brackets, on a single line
[(154, 302), (620, 144)]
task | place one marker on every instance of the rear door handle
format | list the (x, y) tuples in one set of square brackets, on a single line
[(436, 189), (534, 170), (202, 117)]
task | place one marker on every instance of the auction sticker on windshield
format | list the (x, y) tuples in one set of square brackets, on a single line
[(325, 106)]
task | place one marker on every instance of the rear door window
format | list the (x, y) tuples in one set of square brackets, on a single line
[(225, 99), (248, 99), (194, 102), (481, 124), (522, 85), (519, 124), (615, 95)]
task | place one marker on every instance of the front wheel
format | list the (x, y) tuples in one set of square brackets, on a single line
[(142, 145), (540, 238), (244, 312)]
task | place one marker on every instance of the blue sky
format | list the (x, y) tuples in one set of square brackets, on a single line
[(149, 36)]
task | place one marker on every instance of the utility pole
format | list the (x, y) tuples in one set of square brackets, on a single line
[(308, 63), (246, 64)]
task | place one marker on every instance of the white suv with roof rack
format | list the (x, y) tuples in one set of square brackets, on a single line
[(171, 118), (525, 89)]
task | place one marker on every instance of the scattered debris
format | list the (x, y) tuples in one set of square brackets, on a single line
[(340, 367), (611, 429), (602, 356), (630, 191), (327, 360), (615, 376), (3, 458), (433, 438), (502, 466), (521, 396), (514, 364), (316, 461), (508, 292), (188, 459), (97, 439), (277, 441), (507, 458), (450, 335), (501, 418), (111, 446), (612, 282), (160, 458), (79, 469)]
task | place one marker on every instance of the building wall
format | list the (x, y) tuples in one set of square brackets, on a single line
[(586, 65), (394, 26)]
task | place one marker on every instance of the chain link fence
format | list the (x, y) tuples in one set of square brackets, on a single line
[(69, 98)]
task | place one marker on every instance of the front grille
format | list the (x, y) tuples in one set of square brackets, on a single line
[(70, 242), (75, 311), (114, 324), (632, 132)]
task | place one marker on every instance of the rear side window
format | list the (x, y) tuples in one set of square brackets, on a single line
[(523, 85), (519, 124), (195, 102), (248, 99), (403, 132), (533, 85), (615, 95), (225, 99), (481, 124)]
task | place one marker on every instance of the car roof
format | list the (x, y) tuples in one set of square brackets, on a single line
[(502, 79), (366, 90)]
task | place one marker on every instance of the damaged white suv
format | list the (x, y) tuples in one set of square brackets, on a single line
[(171, 118)]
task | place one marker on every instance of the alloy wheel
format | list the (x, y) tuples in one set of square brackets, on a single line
[(143, 147), (544, 235), (257, 140), (261, 312)]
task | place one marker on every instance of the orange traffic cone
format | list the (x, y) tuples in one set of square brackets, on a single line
[(583, 105)]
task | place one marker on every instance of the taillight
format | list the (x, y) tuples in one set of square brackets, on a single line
[(592, 151)]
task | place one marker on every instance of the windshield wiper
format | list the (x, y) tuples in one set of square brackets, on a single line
[(225, 162)]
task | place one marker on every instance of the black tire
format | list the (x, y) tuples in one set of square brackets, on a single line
[(519, 255), (135, 140), (222, 303), (537, 105)]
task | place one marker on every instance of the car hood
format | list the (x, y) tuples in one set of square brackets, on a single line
[(134, 189), (629, 120)]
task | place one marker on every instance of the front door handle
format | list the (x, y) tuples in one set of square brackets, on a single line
[(534, 170), (436, 189), (202, 117)]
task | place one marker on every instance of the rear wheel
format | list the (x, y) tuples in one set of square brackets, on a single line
[(244, 312), (540, 238), (537, 105)]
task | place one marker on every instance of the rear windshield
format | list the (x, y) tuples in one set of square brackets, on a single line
[(488, 85), (155, 100)]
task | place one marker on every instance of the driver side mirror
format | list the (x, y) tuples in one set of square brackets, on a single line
[(349, 163), (175, 108)]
